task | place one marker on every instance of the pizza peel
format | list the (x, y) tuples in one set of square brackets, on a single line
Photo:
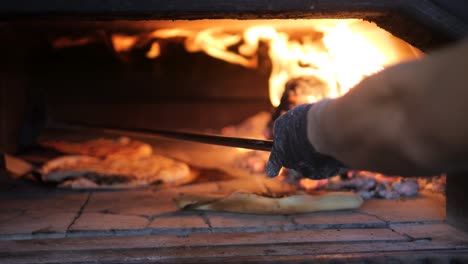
[(247, 143)]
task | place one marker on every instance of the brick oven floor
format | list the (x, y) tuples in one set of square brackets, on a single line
[(43, 225)]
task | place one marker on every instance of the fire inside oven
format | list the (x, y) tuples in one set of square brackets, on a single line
[(223, 77), (262, 67)]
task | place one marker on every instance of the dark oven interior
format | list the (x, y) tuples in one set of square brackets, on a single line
[(70, 70)]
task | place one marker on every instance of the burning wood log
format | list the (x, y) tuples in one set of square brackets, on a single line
[(368, 185), (435, 184)]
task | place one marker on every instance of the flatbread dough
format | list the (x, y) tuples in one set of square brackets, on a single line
[(243, 202), (89, 172)]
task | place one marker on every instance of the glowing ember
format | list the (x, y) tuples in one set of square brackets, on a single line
[(375, 185)]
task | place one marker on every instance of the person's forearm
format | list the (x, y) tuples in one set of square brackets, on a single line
[(407, 120)]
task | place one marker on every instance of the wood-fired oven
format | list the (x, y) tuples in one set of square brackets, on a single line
[(69, 65)]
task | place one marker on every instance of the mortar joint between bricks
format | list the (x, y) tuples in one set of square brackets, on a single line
[(206, 219)]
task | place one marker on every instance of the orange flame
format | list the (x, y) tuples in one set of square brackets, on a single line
[(154, 51), (123, 43), (346, 51)]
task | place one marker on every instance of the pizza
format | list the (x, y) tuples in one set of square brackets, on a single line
[(251, 203), (111, 164), (90, 172)]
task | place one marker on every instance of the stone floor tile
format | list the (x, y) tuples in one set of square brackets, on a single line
[(330, 219), (107, 221), (443, 232), (31, 222), (135, 202), (220, 219), (425, 207), (179, 220), (61, 202)]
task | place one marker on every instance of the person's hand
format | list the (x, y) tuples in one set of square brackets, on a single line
[(292, 149)]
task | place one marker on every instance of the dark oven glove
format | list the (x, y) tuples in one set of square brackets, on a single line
[(292, 149)]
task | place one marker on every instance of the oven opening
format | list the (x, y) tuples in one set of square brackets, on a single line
[(69, 178)]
